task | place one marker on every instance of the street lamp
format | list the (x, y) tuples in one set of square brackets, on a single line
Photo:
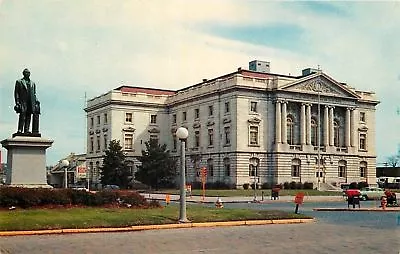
[(65, 164), (319, 130), (182, 133), (253, 164)]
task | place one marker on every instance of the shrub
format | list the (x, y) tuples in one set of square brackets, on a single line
[(353, 185), (286, 185), (308, 186), (253, 186), (361, 185), (299, 186), (292, 185), (266, 186), (246, 186), (218, 185)]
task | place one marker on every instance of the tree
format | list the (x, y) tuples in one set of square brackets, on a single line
[(393, 160), (158, 167), (115, 169)]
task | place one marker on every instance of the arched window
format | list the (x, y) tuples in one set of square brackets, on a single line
[(253, 166), (227, 167), (342, 168), (289, 124), (296, 166), (314, 128), (336, 132), (210, 167), (363, 169)]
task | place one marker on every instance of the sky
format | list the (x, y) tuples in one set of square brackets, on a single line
[(86, 48)]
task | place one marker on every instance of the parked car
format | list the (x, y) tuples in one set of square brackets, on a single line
[(111, 187), (372, 193)]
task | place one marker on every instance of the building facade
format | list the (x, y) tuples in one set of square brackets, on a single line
[(249, 126)]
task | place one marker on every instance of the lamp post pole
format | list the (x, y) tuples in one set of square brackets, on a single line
[(255, 183), (65, 164), (319, 132), (182, 134)]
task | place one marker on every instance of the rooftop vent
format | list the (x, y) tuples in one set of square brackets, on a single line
[(309, 71), (259, 66)]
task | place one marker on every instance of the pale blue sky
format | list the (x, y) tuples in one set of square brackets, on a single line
[(73, 47)]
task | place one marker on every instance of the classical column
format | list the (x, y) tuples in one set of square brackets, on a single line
[(278, 122), (284, 122), (352, 128), (326, 124), (303, 124), (331, 130), (308, 113), (348, 126)]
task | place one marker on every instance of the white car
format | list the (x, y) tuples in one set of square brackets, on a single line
[(372, 193)]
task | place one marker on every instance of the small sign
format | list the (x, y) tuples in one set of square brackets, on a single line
[(299, 198)]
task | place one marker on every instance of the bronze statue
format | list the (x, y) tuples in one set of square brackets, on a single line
[(26, 105)]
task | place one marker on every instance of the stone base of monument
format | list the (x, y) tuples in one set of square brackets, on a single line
[(26, 161)]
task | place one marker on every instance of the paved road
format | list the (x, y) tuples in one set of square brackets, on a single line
[(301, 238)]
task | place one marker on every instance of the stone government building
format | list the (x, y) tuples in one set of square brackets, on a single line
[(244, 126)]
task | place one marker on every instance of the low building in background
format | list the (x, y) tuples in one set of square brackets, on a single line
[(77, 173)]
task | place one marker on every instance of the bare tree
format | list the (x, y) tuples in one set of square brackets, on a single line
[(393, 160)]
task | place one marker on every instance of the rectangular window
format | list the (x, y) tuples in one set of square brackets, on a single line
[(227, 168), (91, 144), (98, 144), (253, 135), (98, 120), (153, 119), (363, 141), (105, 118), (196, 113), (174, 118), (196, 138), (227, 107), (342, 171), (91, 122), (184, 116), (128, 117), (253, 107), (253, 171), (128, 142), (227, 131), (362, 117), (210, 110), (363, 171), (295, 170), (105, 141), (175, 143), (210, 137)]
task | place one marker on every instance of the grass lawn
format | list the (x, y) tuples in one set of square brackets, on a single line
[(250, 192), (35, 219)]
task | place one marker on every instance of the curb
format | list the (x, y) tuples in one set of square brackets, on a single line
[(388, 209), (156, 227)]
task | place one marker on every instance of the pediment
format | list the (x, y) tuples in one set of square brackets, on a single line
[(320, 82)]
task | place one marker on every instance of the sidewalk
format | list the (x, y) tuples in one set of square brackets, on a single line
[(241, 199)]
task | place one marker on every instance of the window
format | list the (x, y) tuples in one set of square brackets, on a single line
[(210, 110), (363, 141), (314, 132), (296, 167), (210, 167), (175, 143), (105, 138), (253, 107), (154, 137), (253, 169), (210, 137), (253, 135), (128, 142), (196, 113), (336, 129), (174, 118), (91, 122), (196, 138), (227, 107), (153, 119), (290, 125), (184, 116), (91, 144), (342, 168), (98, 144), (98, 120), (363, 169), (105, 118), (227, 167), (128, 117), (227, 131), (362, 117)]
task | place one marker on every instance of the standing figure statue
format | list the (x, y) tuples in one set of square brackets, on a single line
[(26, 105)]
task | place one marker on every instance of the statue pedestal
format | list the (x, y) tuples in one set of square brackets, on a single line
[(26, 161)]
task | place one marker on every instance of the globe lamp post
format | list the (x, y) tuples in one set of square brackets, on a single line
[(182, 133), (65, 164)]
